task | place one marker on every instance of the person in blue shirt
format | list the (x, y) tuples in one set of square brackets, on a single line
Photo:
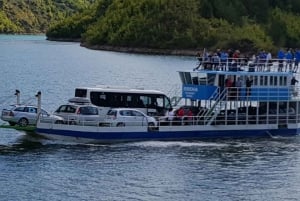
[(262, 60), (297, 59), (223, 60), (280, 57), (289, 58)]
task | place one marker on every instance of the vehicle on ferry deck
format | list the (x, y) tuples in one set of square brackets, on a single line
[(79, 114), (24, 115), (128, 117), (150, 102)]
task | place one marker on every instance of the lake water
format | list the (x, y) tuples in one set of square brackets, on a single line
[(35, 169)]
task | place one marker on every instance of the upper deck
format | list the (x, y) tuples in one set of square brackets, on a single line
[(268, 81)]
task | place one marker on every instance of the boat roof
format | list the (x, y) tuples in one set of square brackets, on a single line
[(106, 88)]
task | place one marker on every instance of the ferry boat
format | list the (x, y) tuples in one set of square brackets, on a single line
[(226, 101)]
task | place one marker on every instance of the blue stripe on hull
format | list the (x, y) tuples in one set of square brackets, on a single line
[(156, 135)]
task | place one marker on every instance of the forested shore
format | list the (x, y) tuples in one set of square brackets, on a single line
[(159, 26), (184, 25)]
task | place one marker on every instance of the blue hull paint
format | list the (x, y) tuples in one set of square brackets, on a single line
[(168, 135)]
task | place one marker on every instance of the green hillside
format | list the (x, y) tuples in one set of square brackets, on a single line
[(185, 24), (158, 24), (34, 16)]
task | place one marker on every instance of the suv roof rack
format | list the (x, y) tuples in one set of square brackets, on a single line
[(79, 100)]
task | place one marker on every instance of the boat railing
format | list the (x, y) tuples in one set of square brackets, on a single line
[(250, 65), (268, 93), (247, 116), (233, 118)]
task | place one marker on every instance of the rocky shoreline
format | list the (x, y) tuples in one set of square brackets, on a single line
[(177, 52), (142, 50)]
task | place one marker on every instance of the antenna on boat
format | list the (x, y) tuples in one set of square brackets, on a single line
[(17, 93)]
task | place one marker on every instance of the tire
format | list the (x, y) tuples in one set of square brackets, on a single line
[(23, 122), (151, 126), (121, 124), (72, 123), (58, 122), (12, 123)]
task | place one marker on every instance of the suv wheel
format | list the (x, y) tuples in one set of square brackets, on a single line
[(23, 122)]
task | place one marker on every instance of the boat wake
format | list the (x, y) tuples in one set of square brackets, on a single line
[(162, 144)]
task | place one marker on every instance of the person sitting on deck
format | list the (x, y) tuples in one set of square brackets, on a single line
[(180, 115), (190, 117)]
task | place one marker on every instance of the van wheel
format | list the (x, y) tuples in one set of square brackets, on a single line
[(120, 124), (23, 122)]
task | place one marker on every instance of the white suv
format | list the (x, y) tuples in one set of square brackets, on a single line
[(128, 117), (87, 115)]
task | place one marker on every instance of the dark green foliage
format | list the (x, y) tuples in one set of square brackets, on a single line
[(176, 24), (162, 24), (34, 16), (246, 25)]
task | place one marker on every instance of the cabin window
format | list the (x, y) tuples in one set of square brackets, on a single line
[(273, 81), (255, 80), (265, 81), (80, 93), (282, 81)]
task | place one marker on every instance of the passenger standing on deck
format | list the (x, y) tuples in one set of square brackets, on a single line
[(235, 62), (293, 84), (230, 57), (280, 57), (238, 86), (215, 59), (170, 114), (269, 61), (228, 85), (289, 59), (262, 60), (248, 86), (297, 60), (223, 59)]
